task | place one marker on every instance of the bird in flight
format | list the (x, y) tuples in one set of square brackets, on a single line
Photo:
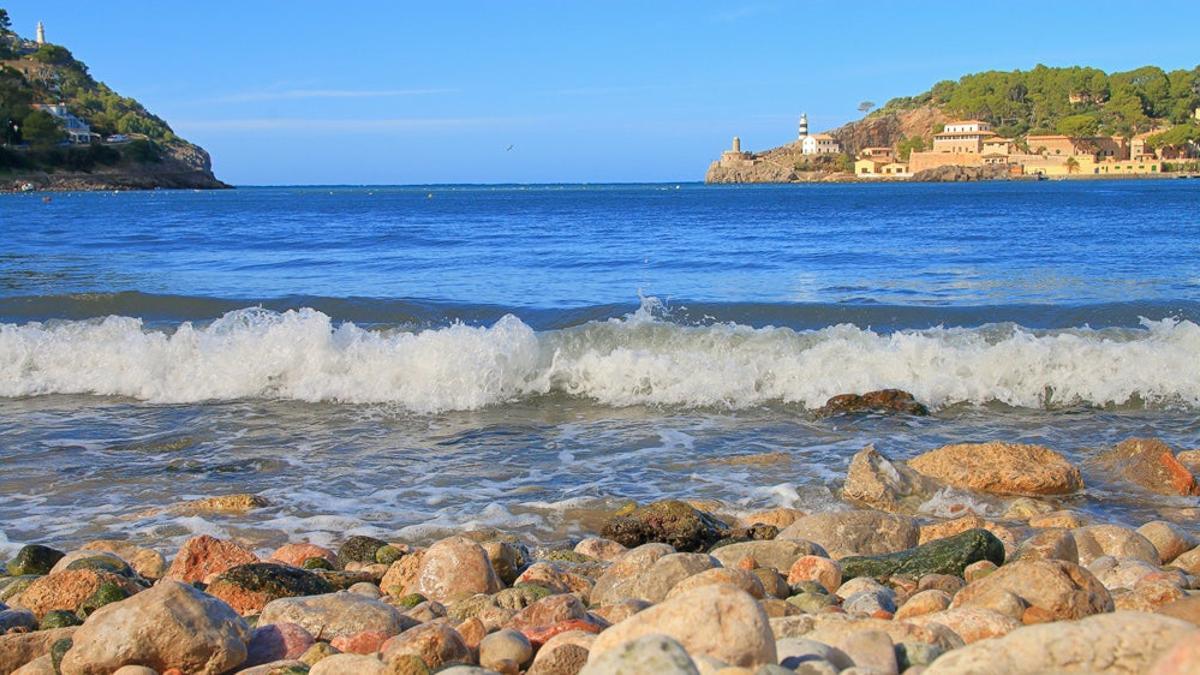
[(509, 149)]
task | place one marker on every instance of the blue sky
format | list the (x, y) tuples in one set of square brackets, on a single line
[(303, 92)]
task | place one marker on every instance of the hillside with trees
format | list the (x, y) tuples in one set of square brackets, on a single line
[(34, 147)]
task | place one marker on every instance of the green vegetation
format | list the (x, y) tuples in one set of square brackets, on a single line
[(1065, 100), (907, 146), (840, 162), (53, 74), (1175, 137)]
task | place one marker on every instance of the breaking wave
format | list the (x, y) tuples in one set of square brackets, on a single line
[(637, 359)]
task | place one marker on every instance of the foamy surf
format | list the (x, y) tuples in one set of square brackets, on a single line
[(304, 355)]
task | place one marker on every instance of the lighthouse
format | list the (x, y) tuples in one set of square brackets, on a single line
[(803, 125), (41, 34)]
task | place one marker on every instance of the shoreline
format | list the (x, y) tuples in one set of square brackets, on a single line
[(868, 585)]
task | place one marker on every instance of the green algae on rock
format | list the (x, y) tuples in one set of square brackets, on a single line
[(359, 548), (943, 556), (670, 521), (34, 559), (248, 588), (108, 592)]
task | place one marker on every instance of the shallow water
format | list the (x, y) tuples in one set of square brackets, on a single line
[(411, 365)]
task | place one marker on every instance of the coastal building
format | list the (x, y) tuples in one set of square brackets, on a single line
[(962, 136), (77, 130), (1111, 147), (820, 144), (41, 33), (877, 153), (734, 156), (880, 166)]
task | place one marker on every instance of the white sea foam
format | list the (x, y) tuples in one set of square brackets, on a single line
[(303, 355)]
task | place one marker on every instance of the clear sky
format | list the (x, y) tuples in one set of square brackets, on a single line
[(302, 92)]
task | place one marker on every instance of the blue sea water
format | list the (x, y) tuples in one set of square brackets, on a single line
[(406, 360)]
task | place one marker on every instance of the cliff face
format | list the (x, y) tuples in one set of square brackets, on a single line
[(885, 130)]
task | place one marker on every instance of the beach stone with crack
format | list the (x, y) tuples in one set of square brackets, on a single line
[(1151, 464), (881, 401), (1170, 540), (718, 621), (673, 522), (296, 554), (746, 581), (1000, 468), (875, 481), (435, 643), (248, 588), (777, 554), (942, 556), (277, 642), (646, 654), (33, 559), (335, 614), (1095, 541), (171, 625), (17, 649), (1053, 590), (1122, 642), (846, 533), (203, 556)]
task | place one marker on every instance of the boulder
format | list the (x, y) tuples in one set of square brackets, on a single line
[(171, 625), (101, 561), (1053, 590), (646, 654), (1095, 541), (779, 517), (1049, 544), (778, 554), (555, 577), (875, 481), (566, 660), (1062, 519), (1181, 659), (1188, 561), (746, 581), (21, 648), (616, 584), (203, 556), (1170, 540), (1150, 463), (1187, 609), (1000, 468), (359, 549), (941, 556), (548, 611), (505, 645), (335, 614), (451, 569), (435, 643), (882, 401), (366, 642), (358, 664), (33, 559), (676, 523), (1124, 642), (832, 629), (600, 548), (17, 620), (577, 638), (248, 588), (718, 621), (922, 603), (81, 590), (845, 533), (507, 559), (795, 652)]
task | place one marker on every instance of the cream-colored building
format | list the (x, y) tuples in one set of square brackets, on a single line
[(1103, 147), (877, 153), (962, 136), (881, 166), (820, 144)]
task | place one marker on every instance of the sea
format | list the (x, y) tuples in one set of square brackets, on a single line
[(409, 362)]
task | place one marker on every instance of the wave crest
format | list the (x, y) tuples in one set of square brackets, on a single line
[(303, 355)]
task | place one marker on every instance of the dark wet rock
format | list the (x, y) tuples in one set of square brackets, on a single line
[(58, 650), (59, 618), (569, 556), (359, 548), (341, 580), (34, 559), (672, 522), (315, 563), (108, 592), (508, 559), (248, 588), (883, 401), (942, 556), (17, 619), (756, 532)]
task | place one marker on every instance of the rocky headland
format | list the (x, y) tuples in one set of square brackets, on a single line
[(874, 586)]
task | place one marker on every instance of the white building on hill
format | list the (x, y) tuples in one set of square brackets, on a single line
[(820, 144)]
